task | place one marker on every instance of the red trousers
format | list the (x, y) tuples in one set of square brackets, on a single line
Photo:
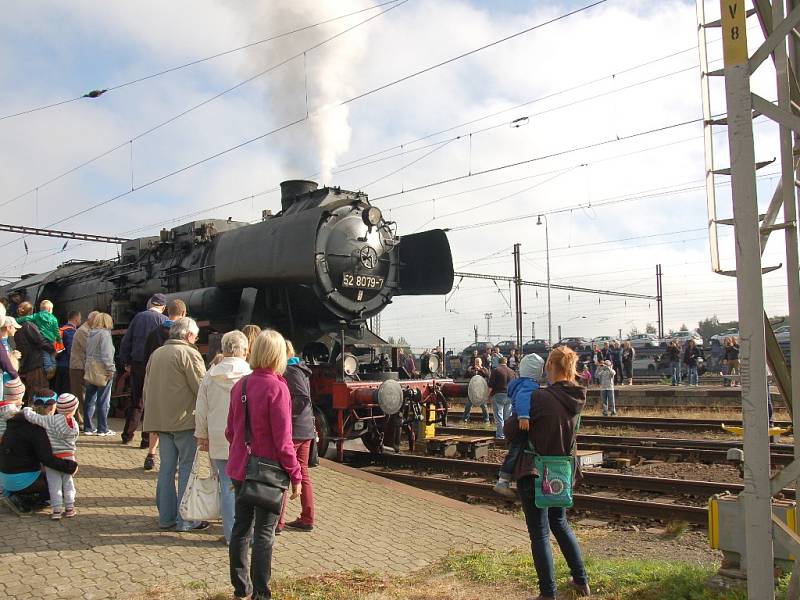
[(302, 449)]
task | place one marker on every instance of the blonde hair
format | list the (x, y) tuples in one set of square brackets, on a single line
[(90, 318), (289, 349), (561, 364), (102, 321), (268, 351), (46, 305)]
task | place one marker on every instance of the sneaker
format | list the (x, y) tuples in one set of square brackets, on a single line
[(70, 512), (581, 589), (16, 506), (56, 516), (201, 526), (144, 445), (90, 432), (125, 441), (300, 526), (278, 530), (503, 487), (149, 462)]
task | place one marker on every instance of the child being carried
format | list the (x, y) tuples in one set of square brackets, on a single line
[(520, 391), (62, 431)]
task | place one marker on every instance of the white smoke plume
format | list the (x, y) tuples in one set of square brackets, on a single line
[(316, 83)]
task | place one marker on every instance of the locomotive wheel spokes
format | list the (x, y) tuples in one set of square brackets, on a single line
[(373, 440)]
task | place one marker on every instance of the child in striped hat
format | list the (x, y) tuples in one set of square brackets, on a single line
[(62, 431), (10, 402)]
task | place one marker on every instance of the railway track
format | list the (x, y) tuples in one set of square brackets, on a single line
[(706, 451), (474, 474), (650, 423)]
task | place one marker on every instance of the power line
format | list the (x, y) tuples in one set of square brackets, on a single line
[(98, 92), (201, 104), (342, 103)]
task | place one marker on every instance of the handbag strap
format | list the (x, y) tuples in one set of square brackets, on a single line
[(247, 435)]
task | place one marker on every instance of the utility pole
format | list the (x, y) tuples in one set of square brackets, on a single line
[(559, 333), (488, 317), (533, 329), (475, 330), (518, 294), (659, 302), (549, 313)]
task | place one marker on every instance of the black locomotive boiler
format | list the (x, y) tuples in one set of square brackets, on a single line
[(328, 261)]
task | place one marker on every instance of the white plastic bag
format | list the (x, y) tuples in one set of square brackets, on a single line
[(200, 501)]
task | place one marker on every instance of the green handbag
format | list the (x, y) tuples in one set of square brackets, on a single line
[(553, 486)]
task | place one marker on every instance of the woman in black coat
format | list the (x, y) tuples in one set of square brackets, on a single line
[(298, 378)]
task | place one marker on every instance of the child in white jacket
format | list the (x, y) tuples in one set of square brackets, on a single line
[(605, 375), (62, 431)]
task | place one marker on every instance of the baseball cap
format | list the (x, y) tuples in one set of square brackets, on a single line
[(158, 300), (11, 321)]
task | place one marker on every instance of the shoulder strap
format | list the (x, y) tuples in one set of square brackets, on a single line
[(247, 436)]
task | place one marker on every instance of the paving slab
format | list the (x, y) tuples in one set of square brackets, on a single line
[(114, 549)]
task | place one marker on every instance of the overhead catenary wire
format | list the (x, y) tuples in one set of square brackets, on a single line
[(98, 92), (342, 103)]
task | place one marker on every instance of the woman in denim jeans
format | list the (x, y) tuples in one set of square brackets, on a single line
[(555, 412), (97, 399)]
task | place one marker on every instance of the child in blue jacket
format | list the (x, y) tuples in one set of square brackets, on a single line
[(520, 391)]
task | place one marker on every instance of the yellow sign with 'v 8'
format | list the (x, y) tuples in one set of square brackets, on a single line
[(734, 32)]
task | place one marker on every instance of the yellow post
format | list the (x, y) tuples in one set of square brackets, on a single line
[(430, 428)]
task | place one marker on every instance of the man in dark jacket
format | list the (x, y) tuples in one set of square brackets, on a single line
[(32, 344), (176, 309), (131, 354), (67, 330), (23, 451), (498, 391), (298, 379)]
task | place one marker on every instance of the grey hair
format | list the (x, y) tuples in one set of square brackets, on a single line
[(234, 342), (182, 328)]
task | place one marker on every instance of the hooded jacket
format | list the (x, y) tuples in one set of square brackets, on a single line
[(520, 391), (554, 417), (77, 353), (297, 377), (213, 402), (100, 348)]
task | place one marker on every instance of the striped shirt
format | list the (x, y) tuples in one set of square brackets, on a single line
[(62, 431)]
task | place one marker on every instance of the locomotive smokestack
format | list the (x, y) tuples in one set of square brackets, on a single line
[(293, 188)]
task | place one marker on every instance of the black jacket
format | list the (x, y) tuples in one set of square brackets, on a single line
[(690, 356), (731, 352), (32, 344), (25, 448), (299, 382), (555, 410), (155, 339)]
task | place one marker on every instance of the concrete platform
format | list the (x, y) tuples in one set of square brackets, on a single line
[(113, 548)]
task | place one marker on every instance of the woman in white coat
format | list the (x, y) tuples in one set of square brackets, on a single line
[(211, 415)]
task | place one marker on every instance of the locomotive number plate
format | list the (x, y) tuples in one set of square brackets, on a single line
[(364, 282)]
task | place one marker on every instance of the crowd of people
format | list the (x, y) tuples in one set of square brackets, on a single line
[(57, 383)]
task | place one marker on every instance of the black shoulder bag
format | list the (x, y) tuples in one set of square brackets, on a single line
[(265, 480)]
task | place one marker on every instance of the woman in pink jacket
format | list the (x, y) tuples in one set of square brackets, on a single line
[(270, 411)]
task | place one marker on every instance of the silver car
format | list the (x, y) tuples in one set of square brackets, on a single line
[(644, 340)]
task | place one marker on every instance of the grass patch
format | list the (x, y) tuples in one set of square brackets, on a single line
[(486, 574)]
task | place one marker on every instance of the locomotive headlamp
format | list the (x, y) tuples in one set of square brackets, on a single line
[(372, 216), (433, 363), (350, 365)]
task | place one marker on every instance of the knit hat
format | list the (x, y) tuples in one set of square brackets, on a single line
[(531, 366), (13, 390), (66, 404)]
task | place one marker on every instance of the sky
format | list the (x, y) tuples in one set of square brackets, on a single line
[(585, 90)]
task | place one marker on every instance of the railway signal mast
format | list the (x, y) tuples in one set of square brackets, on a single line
[(766, 535)]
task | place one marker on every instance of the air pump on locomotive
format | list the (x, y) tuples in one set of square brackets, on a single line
[(316, 271)]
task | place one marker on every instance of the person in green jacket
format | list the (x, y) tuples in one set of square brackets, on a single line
[(47, 323)]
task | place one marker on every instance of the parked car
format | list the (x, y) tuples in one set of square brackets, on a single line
[(644, 340), (602, 339), (506, 346), (578, 344), (684, 336), (536, 346), (720, 337)]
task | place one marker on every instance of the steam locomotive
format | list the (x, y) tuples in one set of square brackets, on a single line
[(316, 271)]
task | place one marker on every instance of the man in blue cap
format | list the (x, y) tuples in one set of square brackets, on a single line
[(132, 355)]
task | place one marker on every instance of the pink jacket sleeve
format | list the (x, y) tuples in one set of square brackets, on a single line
[(281, 423)]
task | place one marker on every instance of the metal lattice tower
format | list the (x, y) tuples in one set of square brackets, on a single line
[(752, 231)]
